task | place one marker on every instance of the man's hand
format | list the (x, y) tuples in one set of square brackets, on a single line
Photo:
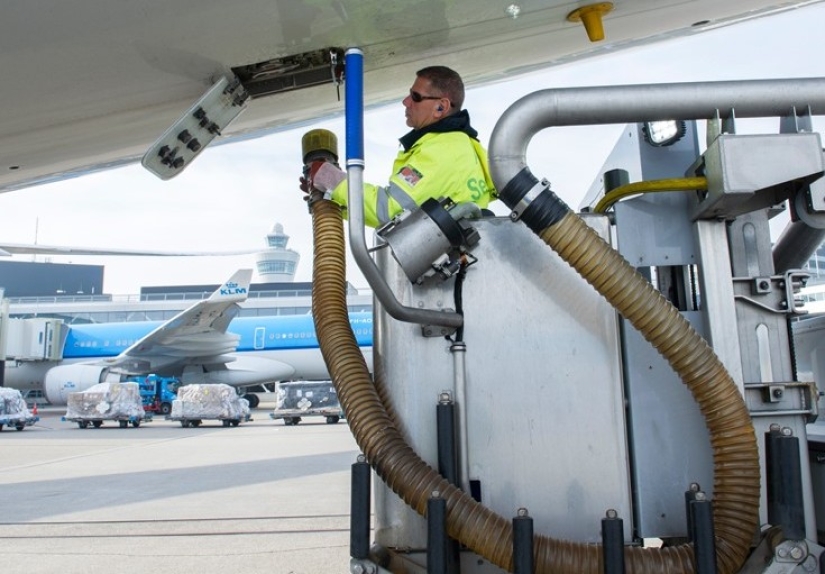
[(309, 173), (323, 176), (326, 176)]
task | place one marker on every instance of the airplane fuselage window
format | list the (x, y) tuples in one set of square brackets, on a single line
[(161, 315)]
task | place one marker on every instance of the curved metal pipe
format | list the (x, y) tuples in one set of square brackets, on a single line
[(638, 103), (796, 246)]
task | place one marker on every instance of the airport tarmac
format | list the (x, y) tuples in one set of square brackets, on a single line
[(261, 497)]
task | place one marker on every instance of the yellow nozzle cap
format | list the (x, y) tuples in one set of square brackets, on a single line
[(319, 141), (591, 17)]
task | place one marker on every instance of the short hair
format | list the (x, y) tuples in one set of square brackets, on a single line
[(447, 82)]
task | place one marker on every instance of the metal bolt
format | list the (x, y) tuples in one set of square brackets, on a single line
[(786, 431), (611, 513), (357, 568), (777, 393), (796, 553), (782, 552), (522, 512)]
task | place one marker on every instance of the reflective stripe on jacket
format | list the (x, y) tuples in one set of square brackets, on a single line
[(446, 164)]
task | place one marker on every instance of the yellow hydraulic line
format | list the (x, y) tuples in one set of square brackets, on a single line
[(652, 186)]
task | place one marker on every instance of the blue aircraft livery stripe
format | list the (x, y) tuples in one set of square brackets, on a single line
[(106, 340)]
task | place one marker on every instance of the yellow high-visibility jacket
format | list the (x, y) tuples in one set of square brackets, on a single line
[(438, 164)]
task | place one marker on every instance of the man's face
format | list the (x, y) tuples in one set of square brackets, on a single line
[(423, 113)]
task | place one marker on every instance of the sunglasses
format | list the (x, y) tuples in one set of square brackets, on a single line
[(418, 98)]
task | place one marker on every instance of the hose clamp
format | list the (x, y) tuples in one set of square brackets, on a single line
[(528, 198)]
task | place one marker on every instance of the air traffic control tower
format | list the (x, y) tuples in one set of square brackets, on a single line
[(277, 264)]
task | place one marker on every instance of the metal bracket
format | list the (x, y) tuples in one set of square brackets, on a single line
[(796, 121), (789, 556), (437, 330), (777, 398), (774, 294)]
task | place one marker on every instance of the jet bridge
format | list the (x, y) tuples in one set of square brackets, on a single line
[(24, 342), (35, 339), (522, 420)]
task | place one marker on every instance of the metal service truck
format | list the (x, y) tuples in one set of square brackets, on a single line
[(196, 403), (120, 402), (298, 399), (613, 388), (158, 393), (13, 410)]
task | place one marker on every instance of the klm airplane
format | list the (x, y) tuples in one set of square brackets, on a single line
[(206, 343)]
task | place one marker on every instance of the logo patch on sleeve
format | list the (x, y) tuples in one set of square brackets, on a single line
[(410, 175)]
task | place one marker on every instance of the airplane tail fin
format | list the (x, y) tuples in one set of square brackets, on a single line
[(235, 289)]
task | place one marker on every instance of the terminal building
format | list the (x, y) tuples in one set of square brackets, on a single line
[(29, 279)]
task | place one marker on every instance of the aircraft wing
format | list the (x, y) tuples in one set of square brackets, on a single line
[(90, 84), (197, 334), (8, 249)]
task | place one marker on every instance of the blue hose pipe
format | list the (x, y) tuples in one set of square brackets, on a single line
[(354, 106)]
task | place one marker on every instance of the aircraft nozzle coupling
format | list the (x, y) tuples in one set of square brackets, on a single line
[(319, 144)]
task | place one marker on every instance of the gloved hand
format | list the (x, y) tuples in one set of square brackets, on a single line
[(309, 172), (326, 176)]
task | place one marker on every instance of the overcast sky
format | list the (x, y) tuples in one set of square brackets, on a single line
[(233, 194)]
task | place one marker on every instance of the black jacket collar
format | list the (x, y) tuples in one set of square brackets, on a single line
[(459, 122)]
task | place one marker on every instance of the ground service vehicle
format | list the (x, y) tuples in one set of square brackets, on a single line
[(298, 399), (157, 393), (13, 410), (522, 420), (119, 402)]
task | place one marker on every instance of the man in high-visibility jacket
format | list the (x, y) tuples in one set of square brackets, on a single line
[(441, 155)]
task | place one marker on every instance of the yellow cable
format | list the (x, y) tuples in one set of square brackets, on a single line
[(652, 186)]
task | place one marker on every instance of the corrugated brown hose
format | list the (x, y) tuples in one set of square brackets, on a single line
[(736, 459)]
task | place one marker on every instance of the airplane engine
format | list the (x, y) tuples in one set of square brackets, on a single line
[(65, 379), (243, 371)]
